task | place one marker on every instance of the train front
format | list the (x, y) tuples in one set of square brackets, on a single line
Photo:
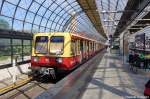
[(49, 53)]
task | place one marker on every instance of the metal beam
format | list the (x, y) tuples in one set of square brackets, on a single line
[(142, 19), (15, 34), (126, 20), (109, 25), (121, 11), (70, 19), (131, 16), (135, 28)]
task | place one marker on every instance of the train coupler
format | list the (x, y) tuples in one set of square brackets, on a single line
[(50, 71)]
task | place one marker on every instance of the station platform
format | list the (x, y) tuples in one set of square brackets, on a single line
[(114, 80)]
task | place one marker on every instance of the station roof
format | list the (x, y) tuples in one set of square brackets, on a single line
[(32, 16), (110, 12), (132, 10), (90, 8), (104, 17)]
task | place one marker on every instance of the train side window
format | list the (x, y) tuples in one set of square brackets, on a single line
[(87, 50), (94, 47), (85, 47), (78, 46), (81, 46), (90, 46), (73, 48)]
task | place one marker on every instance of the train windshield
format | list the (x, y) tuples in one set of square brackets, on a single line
[(41, 44), (57, 45)]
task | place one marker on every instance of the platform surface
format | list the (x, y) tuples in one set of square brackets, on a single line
[(113, 80), (102, 77)]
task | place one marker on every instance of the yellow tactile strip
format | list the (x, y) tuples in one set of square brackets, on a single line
[(14, 85)]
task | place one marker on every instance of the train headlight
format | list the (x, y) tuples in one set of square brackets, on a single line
[(36, 59), (47, 59), (59, 60)]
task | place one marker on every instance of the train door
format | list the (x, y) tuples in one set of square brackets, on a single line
[(81, 51)]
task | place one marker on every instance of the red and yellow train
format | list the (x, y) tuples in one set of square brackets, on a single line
[(61, 51)]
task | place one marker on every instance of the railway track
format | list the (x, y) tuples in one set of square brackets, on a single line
[(26, 89), (29, 87)]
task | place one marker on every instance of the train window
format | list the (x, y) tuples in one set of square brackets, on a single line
[(73, 48), (87, 46), (78, 47), (41, 44), (84, 46), (57, 45), (94, 47)]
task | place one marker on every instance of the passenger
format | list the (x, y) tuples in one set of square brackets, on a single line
[(143, 63), (136, 60), (131, 58)]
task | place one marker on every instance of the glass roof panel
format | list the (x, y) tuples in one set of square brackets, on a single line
[(59, 2), (44, 16), (25, 3), (47, 14), (0, 3), (47, 3), (18, 25), (20, 13), (34, 7), (29, 17), (43, 22), (41, 11), (40, 1), (37, 20), (8, 9), (13, 1), (27, 27), (110, 12)]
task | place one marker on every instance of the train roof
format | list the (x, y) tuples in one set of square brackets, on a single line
[(75, 34)]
